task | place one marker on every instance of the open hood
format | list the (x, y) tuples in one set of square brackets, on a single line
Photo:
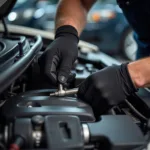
[(5, 7)]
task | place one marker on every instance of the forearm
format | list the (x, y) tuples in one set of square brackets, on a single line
[(140, 72), (73, 12)]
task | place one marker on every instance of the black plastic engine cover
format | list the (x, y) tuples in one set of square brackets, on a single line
[(120, 130), (40, 103)]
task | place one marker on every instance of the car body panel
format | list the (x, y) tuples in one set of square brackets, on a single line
[(109, 31)]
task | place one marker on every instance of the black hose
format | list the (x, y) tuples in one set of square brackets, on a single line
[(14, 71), (5, 27), (2, 147)]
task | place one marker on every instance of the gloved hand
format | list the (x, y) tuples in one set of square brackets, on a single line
[(106, 88), (57, 60)]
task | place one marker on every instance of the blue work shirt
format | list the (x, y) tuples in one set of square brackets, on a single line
[(137, 13)]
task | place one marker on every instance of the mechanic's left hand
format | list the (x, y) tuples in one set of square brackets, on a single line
[(57, 60), (106, 88)]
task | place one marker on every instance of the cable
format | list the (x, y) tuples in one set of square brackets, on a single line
[(135, 110), (2, 147), (17, 144), (5, 26)]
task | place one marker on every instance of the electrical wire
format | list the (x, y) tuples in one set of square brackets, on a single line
[(2, 147), (135, 110)]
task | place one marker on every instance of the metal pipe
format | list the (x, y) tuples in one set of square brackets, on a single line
[(65, 92), (86, 133)]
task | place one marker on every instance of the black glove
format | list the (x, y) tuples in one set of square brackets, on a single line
[(57, 60), (106, 88)]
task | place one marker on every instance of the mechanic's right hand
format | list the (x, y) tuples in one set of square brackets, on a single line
[(106, 88), (57, 60)]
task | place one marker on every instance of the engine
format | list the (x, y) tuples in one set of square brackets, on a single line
[(30, 119)]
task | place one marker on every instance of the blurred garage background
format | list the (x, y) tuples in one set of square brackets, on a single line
[(106, 25)]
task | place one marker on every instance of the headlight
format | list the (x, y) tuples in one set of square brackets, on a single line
[(102, 15), (12, 16), (39, 13), (28, 13)]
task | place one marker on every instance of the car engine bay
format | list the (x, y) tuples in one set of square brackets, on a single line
[(30, 119)]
